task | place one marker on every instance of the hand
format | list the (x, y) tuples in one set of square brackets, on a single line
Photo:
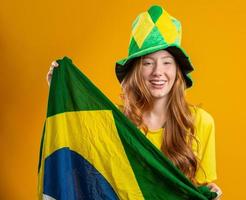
[(214, 188), (50, 72)]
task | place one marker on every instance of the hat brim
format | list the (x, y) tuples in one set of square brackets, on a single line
[(123, 65)]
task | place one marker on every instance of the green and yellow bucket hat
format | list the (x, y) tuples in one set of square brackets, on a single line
[(152, 31)]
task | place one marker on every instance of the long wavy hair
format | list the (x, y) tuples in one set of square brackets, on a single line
[(179, 126)]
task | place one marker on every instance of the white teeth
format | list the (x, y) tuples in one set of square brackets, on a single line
[(157, 81)]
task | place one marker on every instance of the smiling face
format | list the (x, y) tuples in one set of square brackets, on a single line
[(159, 73)]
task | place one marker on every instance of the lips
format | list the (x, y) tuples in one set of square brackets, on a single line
[(158, 84)]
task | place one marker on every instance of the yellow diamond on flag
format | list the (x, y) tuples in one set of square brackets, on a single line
[(142, 29), (167, 28)]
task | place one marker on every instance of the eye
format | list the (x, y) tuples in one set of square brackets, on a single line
[(167, 63), (147, 63)]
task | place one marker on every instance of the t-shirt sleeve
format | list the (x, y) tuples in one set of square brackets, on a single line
[(205, 132)]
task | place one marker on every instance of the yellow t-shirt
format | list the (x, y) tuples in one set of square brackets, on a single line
[(205, 134)]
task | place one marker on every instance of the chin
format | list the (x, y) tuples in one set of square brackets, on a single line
[(159, 95)]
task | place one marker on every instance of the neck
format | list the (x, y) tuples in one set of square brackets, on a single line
[(159, 107), (156, 117)]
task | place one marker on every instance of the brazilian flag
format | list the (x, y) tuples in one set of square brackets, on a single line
[(90, 150)]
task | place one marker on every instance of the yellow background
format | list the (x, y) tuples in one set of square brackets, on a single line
[(95, 34)]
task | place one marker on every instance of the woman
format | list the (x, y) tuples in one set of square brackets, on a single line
[(154, 77)]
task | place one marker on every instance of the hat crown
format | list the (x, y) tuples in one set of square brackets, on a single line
[(152, 31), (153, 28)]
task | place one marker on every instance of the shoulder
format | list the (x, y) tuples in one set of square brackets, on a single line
[(203, 123), (201, 116)]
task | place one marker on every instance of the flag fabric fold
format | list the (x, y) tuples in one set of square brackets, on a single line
[(91, 150)]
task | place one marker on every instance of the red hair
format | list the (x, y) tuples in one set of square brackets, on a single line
[(179, 126)]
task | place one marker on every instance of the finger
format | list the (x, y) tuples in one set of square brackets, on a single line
[(210, 185), (49, 75), (54, 64), (50, 72), (218, 195), (217, 190), (48, 78), (214, 190), (51, 68)]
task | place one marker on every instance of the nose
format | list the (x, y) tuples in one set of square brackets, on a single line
[(158, 69)]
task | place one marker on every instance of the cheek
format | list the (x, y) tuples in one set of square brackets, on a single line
[(145, 73), (172, 77), (173, 73)]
